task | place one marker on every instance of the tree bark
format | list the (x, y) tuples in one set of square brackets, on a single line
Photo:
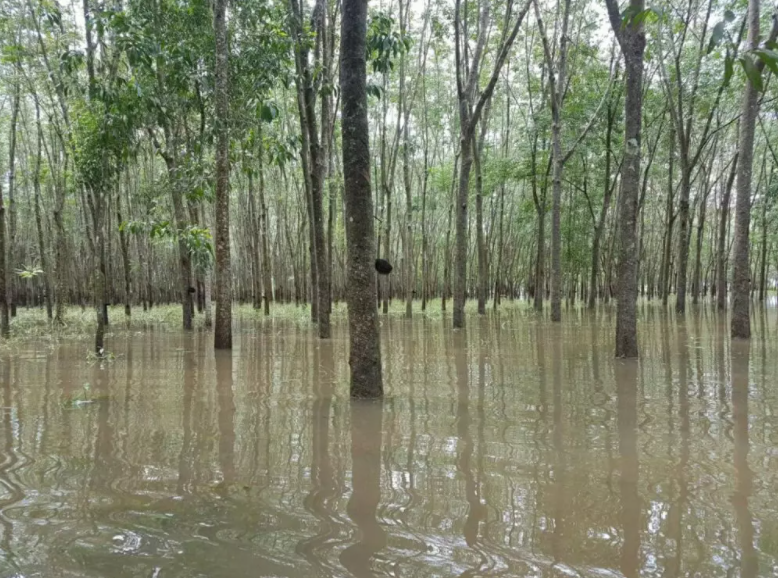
[(267, 282), (37, 205), (125, 249), (741, 275), (364, 339), (683, 239), (16, 104), (4, 313), (479, 221), (223, 325), (632, 38)]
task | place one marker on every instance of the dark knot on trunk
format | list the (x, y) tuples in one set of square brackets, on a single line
[(383, 266)]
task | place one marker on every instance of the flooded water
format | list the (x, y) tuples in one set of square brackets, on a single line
[(516, 448)]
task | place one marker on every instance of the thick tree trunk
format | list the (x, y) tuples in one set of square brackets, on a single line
[(741, 276), (364, 340), (223, 325), (633, 42)]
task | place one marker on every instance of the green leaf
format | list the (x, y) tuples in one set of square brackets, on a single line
[(729, 16), (729, 68), (715, 36), (268, 112), (752, 72), (769, 57)]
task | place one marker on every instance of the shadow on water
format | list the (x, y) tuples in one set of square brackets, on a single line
[(749, 561), (366, 430)]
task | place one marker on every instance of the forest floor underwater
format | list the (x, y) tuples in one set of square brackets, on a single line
[(516, 447)]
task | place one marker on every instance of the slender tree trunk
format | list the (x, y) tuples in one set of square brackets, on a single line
[(267, 281), (424, 241), (763, 259), (60, 251), (479, 226), (37, 205), (697, 279), (741, 276), (410, 270), (447, 255), (540, 257), (365, 351), (500, 225), (10, 296), (125, 249), (223, 326), (256, 244), (4, 313), (683, 238), (670, 221)]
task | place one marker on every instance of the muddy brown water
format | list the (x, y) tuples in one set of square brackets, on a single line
[(516, 448)]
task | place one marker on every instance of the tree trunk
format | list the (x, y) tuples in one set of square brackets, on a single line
[(60, 251), (37, 205), (479, 224), (633, 42), (4, 313), (99, 258), (764, 244), (670, 221), (10, 296), (683, 239), (125, 249), (255, 246), (267, 282), (447, 255), (741, 281), (364, 339), (460, 251), (223, 326)]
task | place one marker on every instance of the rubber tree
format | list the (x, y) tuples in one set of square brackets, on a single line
[(632, 39), (741, 273), (364, 339), (223, 325)]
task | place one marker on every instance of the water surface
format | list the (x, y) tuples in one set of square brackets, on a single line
[(515, 448)]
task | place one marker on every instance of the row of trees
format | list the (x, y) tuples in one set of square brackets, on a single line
[(131, 129)]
